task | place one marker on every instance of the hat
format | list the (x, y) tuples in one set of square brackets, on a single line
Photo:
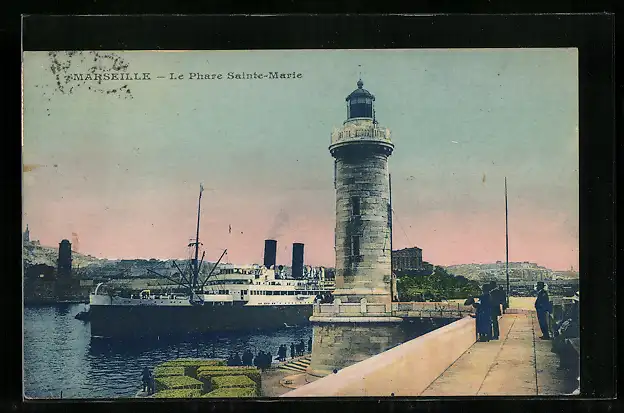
[(540, 283)]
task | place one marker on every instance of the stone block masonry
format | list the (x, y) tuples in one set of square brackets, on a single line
[(339, 345), (362, 179)]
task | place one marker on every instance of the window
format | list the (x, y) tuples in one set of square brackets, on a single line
[(355, 206), (355, 246)]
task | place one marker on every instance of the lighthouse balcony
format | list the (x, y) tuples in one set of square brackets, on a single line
[(360, 130)]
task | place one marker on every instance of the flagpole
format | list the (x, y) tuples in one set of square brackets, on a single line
[(507, 242), (392, 292)]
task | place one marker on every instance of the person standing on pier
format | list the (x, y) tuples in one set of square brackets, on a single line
[(543, 309), (269, 359), (146, 379), (151, 388), (484, 315), (292, 350), (310, 345), (497, 302), (247, 358)]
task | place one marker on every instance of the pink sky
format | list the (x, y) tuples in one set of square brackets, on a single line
[(151, 227)]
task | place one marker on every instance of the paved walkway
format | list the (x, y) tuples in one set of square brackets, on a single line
[(517, 364)]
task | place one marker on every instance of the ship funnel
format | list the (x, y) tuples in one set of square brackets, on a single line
[(270, 253), (64, 262), (297, 260)]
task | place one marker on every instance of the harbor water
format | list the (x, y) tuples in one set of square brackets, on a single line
[(60, 357)]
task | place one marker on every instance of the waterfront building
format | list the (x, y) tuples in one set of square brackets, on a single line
[(407, 259)]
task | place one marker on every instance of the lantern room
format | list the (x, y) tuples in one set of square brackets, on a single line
[(360, 103)]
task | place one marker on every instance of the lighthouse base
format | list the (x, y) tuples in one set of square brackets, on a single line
[(339, 342)]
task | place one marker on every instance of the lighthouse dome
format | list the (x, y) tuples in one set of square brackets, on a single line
[(360, 102)]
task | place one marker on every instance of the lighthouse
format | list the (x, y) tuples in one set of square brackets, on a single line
[(361, 148), (359, 323)]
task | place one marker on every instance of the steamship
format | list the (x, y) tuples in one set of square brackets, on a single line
[(229, 298)]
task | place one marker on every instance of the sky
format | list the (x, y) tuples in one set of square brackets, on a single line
[(116, 166)]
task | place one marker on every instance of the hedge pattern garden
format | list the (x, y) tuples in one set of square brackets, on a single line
[(195, 378)]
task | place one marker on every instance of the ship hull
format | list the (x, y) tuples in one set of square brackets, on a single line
[(111, 321)]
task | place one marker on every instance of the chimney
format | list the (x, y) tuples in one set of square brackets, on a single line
[(270, 252), (297, 260), (64, 263)]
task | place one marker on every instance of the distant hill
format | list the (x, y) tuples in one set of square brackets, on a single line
[(34, 253), (518, 271)]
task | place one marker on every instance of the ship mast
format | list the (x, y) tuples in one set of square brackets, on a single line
[(196, 259)]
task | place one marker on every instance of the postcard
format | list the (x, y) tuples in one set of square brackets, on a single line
[(300, 223)]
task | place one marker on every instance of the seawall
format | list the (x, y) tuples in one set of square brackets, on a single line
[(405, 370)]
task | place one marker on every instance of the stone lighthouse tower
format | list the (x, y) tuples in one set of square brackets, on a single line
[(363, 249), (359, 323)]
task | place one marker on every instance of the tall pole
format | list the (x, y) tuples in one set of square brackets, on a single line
[(195, 262), (392, 292), (506, 242)]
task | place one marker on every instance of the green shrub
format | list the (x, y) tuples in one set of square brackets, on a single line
[(225, 392), (178, 394), (160, 371), (191, 365), (205, 375), (177, 382), (232, 381)]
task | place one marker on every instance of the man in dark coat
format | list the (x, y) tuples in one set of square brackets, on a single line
[(543, 308), (484, 315), (261, 360), (146, 379), (310, 345), (292, 350), (497, 302), (247, 358), (151, 388), (268, 359)]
